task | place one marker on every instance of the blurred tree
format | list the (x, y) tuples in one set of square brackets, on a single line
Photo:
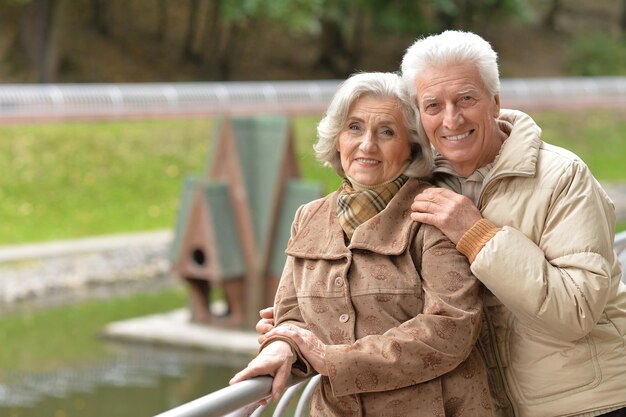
[(553, 11), (99, 16), (161, 20), (623, 17), (220, 35), (36, 40), (190, 33), (212, 31), (340, 25)]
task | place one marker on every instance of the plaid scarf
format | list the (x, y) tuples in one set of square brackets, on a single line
[(355, 207)]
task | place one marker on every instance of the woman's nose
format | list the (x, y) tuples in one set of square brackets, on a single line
[(368, 141)]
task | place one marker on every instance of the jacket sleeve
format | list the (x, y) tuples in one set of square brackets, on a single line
[(560, 283), (426, 346), (286, 308)]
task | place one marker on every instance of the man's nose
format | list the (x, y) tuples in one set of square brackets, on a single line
[(453, 118)]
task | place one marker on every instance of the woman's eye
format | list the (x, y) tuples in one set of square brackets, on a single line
[(388, 132), (353, 126)]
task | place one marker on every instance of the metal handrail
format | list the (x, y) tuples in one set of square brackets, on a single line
[(242, 399), (20, 102)]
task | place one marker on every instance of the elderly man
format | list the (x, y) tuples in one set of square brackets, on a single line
[(537, 229)]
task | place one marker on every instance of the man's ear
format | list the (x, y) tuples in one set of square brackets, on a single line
[(496, 108)]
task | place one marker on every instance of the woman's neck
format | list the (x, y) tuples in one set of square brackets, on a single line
[(362, 187)]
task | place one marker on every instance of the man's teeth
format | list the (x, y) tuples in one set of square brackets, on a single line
[(458, 137)]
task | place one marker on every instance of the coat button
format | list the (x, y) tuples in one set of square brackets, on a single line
[(339, 282), (344, 318)]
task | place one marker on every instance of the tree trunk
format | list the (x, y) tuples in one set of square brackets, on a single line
[(99, 9), (553, 12), (333, 50), (161, 20), (356, 40), (190, 37), (38, 33), (623, 18), (221, 41), (213, 39), (228, 45)]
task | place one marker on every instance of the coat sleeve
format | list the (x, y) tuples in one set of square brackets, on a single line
[(559, 284), (286, 309), (428, 345)]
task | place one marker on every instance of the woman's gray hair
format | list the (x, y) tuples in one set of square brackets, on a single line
[(451, 47), (376, 84)]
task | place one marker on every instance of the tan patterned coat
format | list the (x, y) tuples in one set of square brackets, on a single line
[(398, 306)]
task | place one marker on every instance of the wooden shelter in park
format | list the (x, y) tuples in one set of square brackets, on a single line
[(235, 219)]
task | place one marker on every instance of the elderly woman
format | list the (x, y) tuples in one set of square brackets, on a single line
[(385, 309)]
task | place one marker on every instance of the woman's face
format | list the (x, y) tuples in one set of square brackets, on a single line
[(374, 143)]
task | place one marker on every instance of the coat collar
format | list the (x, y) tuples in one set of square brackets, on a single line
[(520, 152), (319, 233)]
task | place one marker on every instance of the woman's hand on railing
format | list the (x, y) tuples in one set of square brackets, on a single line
[(265, 324), (274, 360), (310, 346)]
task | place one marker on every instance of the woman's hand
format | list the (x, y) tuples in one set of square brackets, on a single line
[(311, 347), (274, 360), (265, 324)]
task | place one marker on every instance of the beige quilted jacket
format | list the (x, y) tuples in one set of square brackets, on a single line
[(560, 340)]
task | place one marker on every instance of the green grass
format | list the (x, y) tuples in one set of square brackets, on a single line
[(597, 136), (48, 339), (65, 180), (68, 180)]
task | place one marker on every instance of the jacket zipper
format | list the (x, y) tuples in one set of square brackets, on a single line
[(492, 331)]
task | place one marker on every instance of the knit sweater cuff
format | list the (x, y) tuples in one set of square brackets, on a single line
[(476, 237)]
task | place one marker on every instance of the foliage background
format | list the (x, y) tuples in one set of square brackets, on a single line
[(204, 40)]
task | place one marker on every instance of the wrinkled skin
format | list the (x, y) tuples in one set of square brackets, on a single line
[(277, 357), (452, 213)]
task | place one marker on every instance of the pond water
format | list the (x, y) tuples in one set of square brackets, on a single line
[(134, 381)]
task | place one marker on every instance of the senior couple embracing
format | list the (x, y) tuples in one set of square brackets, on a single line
[(464, 267)]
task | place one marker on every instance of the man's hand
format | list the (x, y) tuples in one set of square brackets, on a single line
[(265, 324), (274, 360), (452, 213)]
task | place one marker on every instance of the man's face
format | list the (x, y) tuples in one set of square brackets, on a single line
[(459, 116)]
